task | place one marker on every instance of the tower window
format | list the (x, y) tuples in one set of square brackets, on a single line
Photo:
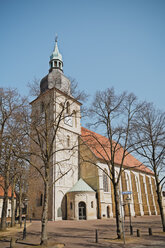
[(42, 107), (75, 118), (67, 108), (60, 65), (91, 204), (68, 140), (55, 63), (71, 206)]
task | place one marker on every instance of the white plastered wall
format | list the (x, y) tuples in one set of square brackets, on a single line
[(105, 197), (66, 160)]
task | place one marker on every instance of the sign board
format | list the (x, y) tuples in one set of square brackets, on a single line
[(126, 192)]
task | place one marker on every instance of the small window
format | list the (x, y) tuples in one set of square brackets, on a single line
[(68, 140), (91, 204), (105, 181), (67, 108), (41, 199), (55, 63), (42, 107), (8, 212), (71, 205), (60, 65)]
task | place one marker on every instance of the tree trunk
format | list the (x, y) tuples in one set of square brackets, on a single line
[(117, 211), (162, 214), (5, 200), (20, 200), (4, 210), (0, 142), (12, 204), (44, 236)]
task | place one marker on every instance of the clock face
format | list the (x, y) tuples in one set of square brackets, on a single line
[(68, 120)]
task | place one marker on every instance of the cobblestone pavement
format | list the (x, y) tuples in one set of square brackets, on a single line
[(80, 234)]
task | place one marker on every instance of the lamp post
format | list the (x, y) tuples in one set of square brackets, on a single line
[(129, 209), (24, 230)]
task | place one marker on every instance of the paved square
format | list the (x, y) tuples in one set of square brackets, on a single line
[(79, 234)]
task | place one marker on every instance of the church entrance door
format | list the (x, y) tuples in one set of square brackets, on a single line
[(82, 210)]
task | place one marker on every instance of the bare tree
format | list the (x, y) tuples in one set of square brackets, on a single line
[(10, 106), (114, 113), (44, 129), (34, 87), (151, 146)]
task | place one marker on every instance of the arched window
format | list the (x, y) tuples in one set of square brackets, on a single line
[(41, 199), (42, 107), (67, 108), (137, 183), (105, 181), (68, 141), (75, 118), (127, 181)]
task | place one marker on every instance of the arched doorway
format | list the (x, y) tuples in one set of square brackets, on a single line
[(82, 210), (108, 212)]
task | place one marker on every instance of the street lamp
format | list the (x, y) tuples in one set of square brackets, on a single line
[(24, 230), (128, 199)]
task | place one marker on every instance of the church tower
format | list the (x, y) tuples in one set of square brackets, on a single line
[(63, 110)]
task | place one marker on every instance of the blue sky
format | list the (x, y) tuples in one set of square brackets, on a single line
[(104, 43)]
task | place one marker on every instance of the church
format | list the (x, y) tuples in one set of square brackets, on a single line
[(78, 189)]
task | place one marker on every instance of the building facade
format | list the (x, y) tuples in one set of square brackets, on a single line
[(136, 179), (8, 214), (78, 190)]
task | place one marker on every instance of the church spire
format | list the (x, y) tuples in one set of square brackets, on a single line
[(56, 61)]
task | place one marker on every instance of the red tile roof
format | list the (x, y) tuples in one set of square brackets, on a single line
[(1, 189), (100, 147)]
